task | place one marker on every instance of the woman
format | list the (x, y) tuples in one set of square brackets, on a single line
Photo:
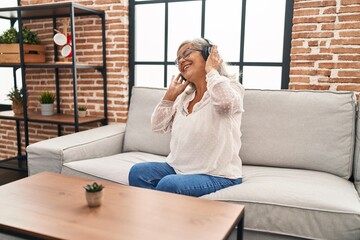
[(205, 123)]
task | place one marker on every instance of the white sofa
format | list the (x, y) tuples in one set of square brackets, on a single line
[(300, 151)]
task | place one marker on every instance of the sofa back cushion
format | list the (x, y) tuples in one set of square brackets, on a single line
[(357, 155), (138, 134), (311, 130)]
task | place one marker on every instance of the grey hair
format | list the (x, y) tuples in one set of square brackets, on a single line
[(201, 44)]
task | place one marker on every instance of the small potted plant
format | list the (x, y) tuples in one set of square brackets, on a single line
[(47, 100), (94, 194), (17, 98), (82, 111)]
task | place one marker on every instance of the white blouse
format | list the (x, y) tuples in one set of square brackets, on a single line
[(207, 141)]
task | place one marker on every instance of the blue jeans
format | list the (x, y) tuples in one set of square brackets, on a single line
[(161, 176)]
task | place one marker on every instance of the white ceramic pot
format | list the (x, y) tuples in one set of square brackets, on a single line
[(82, 113), (94, 199), (47, 109)]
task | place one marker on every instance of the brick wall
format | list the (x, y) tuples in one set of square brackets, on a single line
[(89, 50), (325, 52)]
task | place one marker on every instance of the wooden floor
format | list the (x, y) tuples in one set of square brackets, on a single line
[(7, 176)]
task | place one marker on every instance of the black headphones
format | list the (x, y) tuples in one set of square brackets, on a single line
[(206, 51)]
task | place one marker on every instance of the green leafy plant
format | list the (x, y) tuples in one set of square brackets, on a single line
[(12, 36), (94, 187), (17, 98), (9, 36), (82, 108), (16, 95), (47, 97), (30, 37)]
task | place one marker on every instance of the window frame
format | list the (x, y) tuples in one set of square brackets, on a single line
[(285, 64)]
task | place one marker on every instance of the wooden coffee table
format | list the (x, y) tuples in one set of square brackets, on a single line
[(53, 206)]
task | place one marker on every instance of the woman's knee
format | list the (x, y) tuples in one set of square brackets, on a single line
[(169, 183), (135, 173)]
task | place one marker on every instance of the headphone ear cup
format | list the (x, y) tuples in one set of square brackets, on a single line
[(206, 52)]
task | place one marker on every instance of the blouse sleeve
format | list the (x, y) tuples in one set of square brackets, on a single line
[(226, 94), (162, 117)]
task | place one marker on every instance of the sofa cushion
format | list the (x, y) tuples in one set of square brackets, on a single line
[(287, 198), (138, 134), (113, 168), (357, 155), (311, 130)]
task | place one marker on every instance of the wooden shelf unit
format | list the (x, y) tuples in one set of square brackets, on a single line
[(54, 11)]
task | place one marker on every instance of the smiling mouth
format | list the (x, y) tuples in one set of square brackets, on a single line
[(186, 67)]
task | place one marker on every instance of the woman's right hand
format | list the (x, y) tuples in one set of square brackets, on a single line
[(177, 86)]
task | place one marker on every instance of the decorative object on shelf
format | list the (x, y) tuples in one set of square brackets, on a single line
[(94, 194), (82, 111), (10, 36), (64, 39), (17, 98), (47, 100), (66, 51), (10, 48), (60, 39)]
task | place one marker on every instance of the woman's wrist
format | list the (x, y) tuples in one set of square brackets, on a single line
[(212, 73), (169, 97)]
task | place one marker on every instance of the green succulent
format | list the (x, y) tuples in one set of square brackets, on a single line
[(94, 187), (16, 95), (82, 108), (12, 36), (47, 97)]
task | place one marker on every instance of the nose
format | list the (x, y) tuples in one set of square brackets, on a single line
[(182, 59)]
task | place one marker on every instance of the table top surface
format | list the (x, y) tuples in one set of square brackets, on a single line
[(50, 205)]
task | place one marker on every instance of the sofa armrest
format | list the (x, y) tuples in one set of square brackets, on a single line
[(49, 155)]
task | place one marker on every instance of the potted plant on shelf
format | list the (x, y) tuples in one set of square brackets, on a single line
[(17, 98), (47, 100), (94, 194), (10, 50), (82, 111)]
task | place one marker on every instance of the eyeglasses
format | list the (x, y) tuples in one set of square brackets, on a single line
[(186, 54)]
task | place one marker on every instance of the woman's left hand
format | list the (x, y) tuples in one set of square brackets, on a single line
[(214, 60)]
